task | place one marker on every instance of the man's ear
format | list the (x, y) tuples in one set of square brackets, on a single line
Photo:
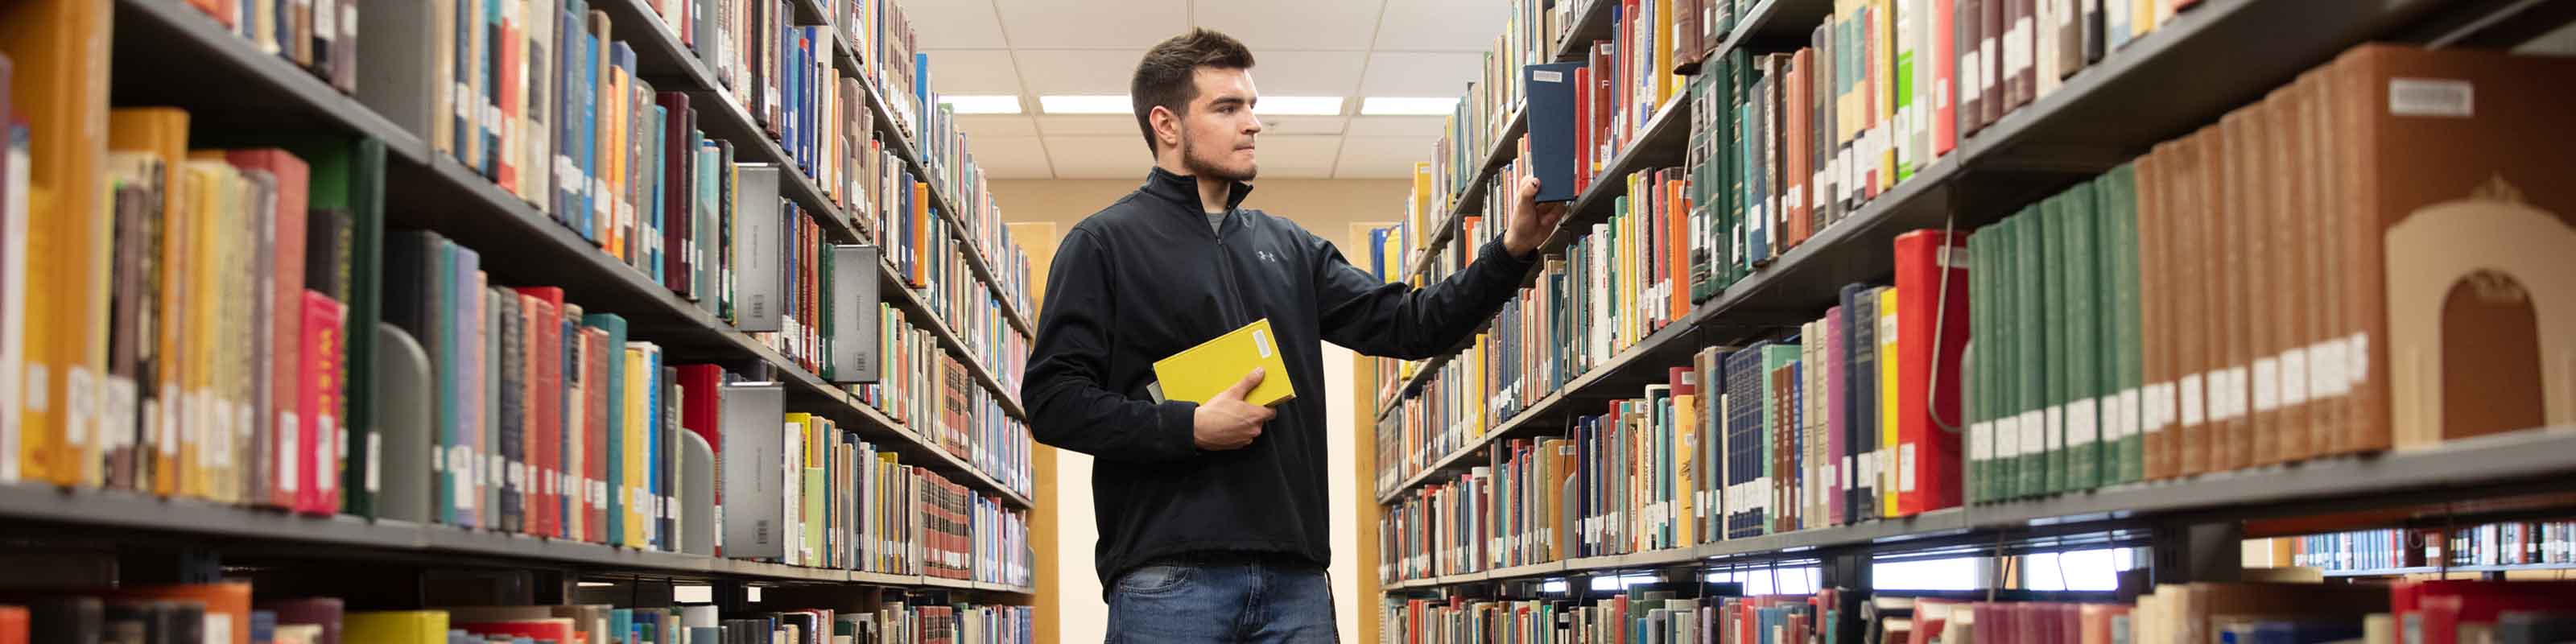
[(1167, 127)]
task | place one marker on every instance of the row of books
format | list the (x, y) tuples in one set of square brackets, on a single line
[(626, 165), (2050, 400), (1604, 293), (927, 389), (890, 58), (2510, 543), (2425, 612), (935, 265), (232, 612), (1624, 80), (319, 37), (1532, 33), (551, 422)]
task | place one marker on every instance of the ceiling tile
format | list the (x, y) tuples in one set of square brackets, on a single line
[(1270, 27), (1011, 157), (1276, 125), (1307, 73), (1441, 25), (1078, 71), (1098, 157), (956, 23), (1297, 157), (1090, 124), (1421, 74), (984, 126), (973, 71), (1424, 126), (1381, 157), (1128, 24)]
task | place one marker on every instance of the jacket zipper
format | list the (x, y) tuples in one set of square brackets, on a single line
[(1225, 273)]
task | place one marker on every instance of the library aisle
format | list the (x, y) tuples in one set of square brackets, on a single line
[(701, 321)]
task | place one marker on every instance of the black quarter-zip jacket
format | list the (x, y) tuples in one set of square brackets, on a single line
[(1144, 279)]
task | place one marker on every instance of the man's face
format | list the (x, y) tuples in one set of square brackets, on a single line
[(1218, 130)]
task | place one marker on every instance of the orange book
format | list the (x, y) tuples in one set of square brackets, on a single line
[(13, 625), (59, 48), (922, 258), (1677, 209), (230, 599)]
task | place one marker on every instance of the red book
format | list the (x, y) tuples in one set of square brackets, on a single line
[(594, 440), (702, 413), (2445, 604), (1604, 95), (1677, 208), (1927, 455), (1945, 66), (555, 631), (544, 407), (1582, 131), (286, 306), (320, 376), (507, 174)]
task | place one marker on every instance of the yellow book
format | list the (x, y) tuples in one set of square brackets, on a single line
[(1685, 463), (1203, 371), (639, 382), (395, 627), (1887, 401)]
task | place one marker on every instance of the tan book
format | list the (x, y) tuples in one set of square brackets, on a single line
[(2325, 290), (2190, 313), (2155, 346), (2462, 209), (2229, 172), (2283, 401)]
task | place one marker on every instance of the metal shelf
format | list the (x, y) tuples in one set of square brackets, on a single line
[(228, 84), (2435, 570), (39, 508), (2535, 460)]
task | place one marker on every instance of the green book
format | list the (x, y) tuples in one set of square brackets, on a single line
[(2083, 329), (1980, 439), (2030, 351), (2127, 362), (2004, 355), (2056, 348)]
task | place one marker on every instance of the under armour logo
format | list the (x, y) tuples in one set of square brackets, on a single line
[(1266, 256)]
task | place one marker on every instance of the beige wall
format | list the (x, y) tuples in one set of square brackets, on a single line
[(1071, 588), (1325, 207)]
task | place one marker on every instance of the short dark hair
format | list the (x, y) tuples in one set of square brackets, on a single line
[(1168, 76)]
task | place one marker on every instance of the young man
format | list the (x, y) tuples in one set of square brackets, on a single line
[(1213, 519)]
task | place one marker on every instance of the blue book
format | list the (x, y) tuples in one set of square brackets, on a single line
[(567, 109), (491, 70), (655, 176), (616, 366), (654, 463), (1551, 100), (586, 153)]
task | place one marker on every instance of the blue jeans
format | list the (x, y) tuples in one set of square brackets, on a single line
[(1227, 599)]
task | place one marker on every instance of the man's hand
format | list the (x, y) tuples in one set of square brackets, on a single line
[(1226, 421), (1531, 221)]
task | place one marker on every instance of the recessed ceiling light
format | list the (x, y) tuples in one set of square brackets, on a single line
[(1115, 104), (1003, 104), (1299, 106), (1407, 106)]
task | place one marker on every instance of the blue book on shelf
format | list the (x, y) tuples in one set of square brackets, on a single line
[(1551, 96), (586, 152)]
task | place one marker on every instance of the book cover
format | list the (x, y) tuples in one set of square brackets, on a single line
[(754, 523), (1889, 365), (608, 441), (317, 416), (1552, 113), (1201, 372)]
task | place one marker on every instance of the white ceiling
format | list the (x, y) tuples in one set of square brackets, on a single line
[(1345, 48)]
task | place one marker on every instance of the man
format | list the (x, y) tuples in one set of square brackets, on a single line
[(1213, 518)]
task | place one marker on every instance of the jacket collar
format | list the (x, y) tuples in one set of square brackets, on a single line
[(1184, 189)]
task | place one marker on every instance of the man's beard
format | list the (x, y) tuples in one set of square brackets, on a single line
[(1202, 167)]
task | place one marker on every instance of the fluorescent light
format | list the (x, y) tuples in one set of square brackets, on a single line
[(1004, 104), (1299, 106), (1407, 106), (598, 584), (1114, 104)]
